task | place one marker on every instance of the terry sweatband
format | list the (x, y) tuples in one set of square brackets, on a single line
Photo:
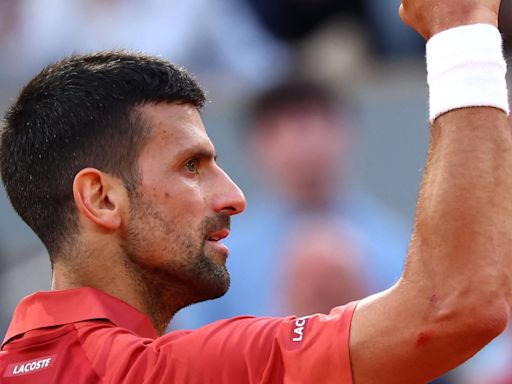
[(466, 68)]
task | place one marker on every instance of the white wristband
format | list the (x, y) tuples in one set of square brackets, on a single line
[(466, 68)]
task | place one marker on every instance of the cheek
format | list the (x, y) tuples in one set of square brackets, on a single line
[(173, 194), (185, 208), (156, 235), (179, 199)]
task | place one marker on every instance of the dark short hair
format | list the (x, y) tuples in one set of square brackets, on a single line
[(291, 96), (81, 112)]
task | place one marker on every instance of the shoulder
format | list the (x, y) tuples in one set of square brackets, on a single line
[(290, 347), (239, 349)]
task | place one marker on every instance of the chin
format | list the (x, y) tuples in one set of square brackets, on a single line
[(217, 287), (210, 281)]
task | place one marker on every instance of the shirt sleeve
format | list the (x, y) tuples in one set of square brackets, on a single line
[(312, 349)]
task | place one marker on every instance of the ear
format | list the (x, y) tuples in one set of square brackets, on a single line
[(100, 197)]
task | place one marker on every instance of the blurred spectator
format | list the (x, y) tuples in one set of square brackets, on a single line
[(300, 146), (295, 20), (198, 33), (323, 266)]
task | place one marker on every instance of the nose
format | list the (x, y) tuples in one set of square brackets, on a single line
[(229, 198)]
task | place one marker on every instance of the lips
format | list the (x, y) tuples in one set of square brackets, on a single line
[(216, 229), (218, 235), (213, 241)]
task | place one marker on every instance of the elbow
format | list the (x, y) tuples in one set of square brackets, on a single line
[(493, 318), (456, 333), (472, 321), (490, 320)]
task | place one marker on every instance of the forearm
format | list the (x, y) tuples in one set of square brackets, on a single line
[(464, 210)]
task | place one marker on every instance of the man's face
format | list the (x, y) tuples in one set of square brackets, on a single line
[(182, 207), (302, 152)]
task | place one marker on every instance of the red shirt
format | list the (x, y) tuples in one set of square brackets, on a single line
[(86, 336)]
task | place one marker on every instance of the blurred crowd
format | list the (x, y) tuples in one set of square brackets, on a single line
[(318, 110), (250, 39)]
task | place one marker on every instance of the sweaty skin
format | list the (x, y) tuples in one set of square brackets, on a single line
[(455, 294)]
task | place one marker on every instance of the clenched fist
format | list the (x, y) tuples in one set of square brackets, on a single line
[(429, 17)]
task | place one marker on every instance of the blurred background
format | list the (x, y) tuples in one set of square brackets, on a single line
[(318, 110)]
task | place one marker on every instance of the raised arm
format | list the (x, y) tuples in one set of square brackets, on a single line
[(454, 296)]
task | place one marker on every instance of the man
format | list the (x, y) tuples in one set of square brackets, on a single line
[(106, 157)]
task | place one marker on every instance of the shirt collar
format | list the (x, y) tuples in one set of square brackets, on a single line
[(49, 309)]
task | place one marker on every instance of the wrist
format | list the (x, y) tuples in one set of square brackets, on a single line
[(466, 68)]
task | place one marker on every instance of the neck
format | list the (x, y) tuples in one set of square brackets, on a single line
[(111, 273), (157, 294)]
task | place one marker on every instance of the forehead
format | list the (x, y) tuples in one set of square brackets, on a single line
[(174, 128)]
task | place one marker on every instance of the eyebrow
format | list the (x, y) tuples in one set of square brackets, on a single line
[(199, 152)]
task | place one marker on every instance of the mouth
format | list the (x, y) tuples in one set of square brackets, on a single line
[(214, 238)]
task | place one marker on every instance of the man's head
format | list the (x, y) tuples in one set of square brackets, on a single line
[(299, 141), (112, 146), (81, 112)]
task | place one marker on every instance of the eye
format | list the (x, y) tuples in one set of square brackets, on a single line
[(192, 165)]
